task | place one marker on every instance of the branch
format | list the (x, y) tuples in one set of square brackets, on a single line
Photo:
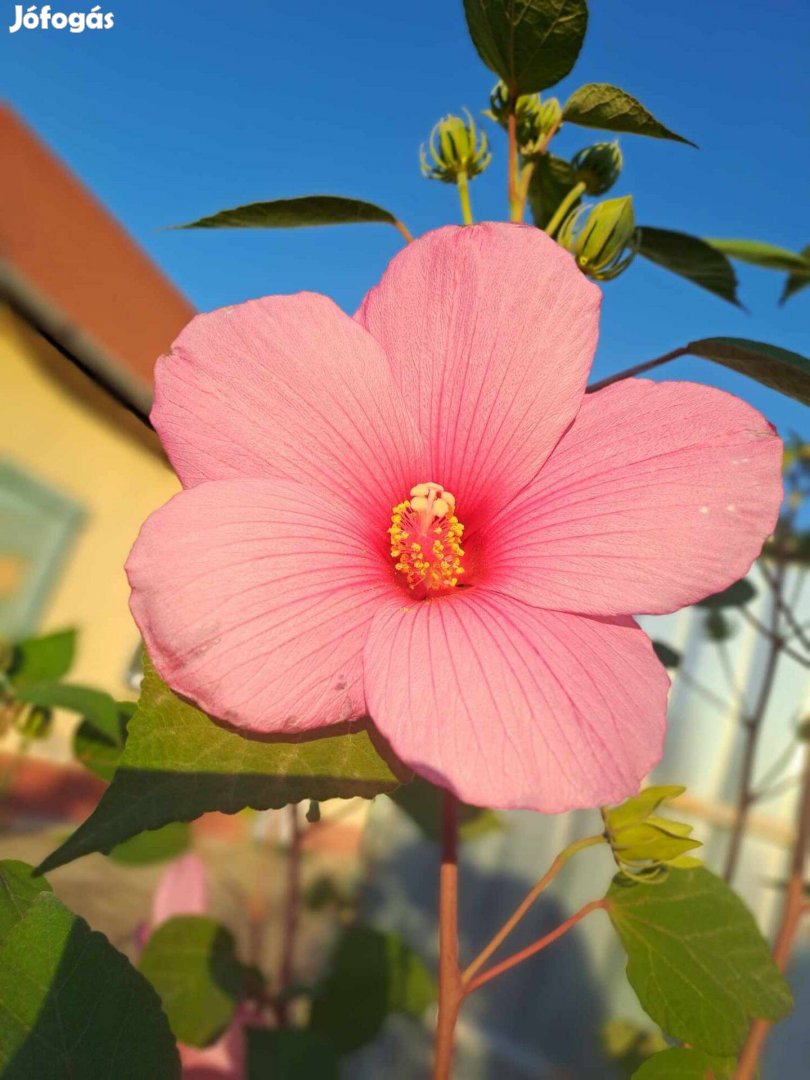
[(639, 369)]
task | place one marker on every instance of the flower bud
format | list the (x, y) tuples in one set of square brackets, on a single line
[(602, 238), (456, 146), (597, 167), (535, 120), (644, 844), (36, 723)]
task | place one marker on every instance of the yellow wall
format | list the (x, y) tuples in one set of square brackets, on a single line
[(55, 423)]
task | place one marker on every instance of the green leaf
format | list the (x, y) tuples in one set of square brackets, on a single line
[(18, 890), (550, 182), (781, 369), (796, 282), (94, 705), (530, 44), (690, 258), (307, 210), (420, 800), (681, 1064), (696, 960), (380, 971), (178, 764), (289, 1054), (768, 256), (739, 594), (191, 961), (600, 105), (72, 1006), (43, 658), (97, 751), (153, 847), (668, 656)]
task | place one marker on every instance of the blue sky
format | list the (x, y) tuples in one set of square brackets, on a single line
[(191, 106)]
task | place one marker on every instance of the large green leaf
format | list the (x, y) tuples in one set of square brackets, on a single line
[(781, 369), (796, 282), (530, 44), (289, 1054), (178, 764), (690, 258), (94, 705), (72, 1006), (682, 1064), (768, 256), (156, 846), (550, 182), (377, 970), (739, 594), (609, 108), (306, 210), (421, 801), (191, 961), (43, 658), (695, 958), (18, 890)]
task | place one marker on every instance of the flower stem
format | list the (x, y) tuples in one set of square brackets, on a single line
[(515, 205), (537, 946), (450, 988), (531, 896), (292, 903), (795, 906), (464, 197), (559, 214)]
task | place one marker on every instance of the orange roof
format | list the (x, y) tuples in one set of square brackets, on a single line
[(94, 291)]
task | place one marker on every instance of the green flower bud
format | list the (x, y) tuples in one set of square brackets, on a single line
[(535, 120), (456, 146), (644, 844), (598, 167), (602, 238), (36, 723)]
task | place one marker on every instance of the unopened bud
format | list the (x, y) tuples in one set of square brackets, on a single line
[(36, 723), (456, 146), (598, 167), (535, 120), (602, 238)]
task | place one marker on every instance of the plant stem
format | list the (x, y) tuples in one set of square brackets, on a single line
[(794, 908), (639, 369), (515, 208), (530, 950), (464, 197), (531, 896), (406, 232), (450, 988), (559, 214), (292, 904)]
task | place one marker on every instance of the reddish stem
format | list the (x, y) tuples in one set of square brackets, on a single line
[(292, 904), (450, 989)]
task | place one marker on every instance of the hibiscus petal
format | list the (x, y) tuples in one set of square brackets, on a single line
[(286, 386), (182, 890), (513, 707), (254, 598), (490, 330), (658, 495)]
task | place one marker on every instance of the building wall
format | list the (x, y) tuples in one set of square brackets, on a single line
[(56, 425)]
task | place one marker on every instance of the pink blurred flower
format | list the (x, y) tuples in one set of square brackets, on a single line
[(500, 660)]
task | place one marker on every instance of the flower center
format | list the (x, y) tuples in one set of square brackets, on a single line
[(426, 540)]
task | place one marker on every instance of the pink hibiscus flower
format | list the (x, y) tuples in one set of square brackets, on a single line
[(418, 515)]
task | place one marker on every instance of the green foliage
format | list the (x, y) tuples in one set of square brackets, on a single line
[(600, 105), (70, 1004), (796, 282), (781, 369), (531, 45), (289, 1054), (420, 800), (178, 764), (100, 751), (94, 705), (690, 258), (668, 656), (768, 256), (695, 958), (306, 210), (682, 1064), (44, 658), (739, 594), (552, 179), (154, 847), (372, 974), (191, 961)]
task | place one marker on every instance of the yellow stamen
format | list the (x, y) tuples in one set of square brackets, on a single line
[(426, 540)]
